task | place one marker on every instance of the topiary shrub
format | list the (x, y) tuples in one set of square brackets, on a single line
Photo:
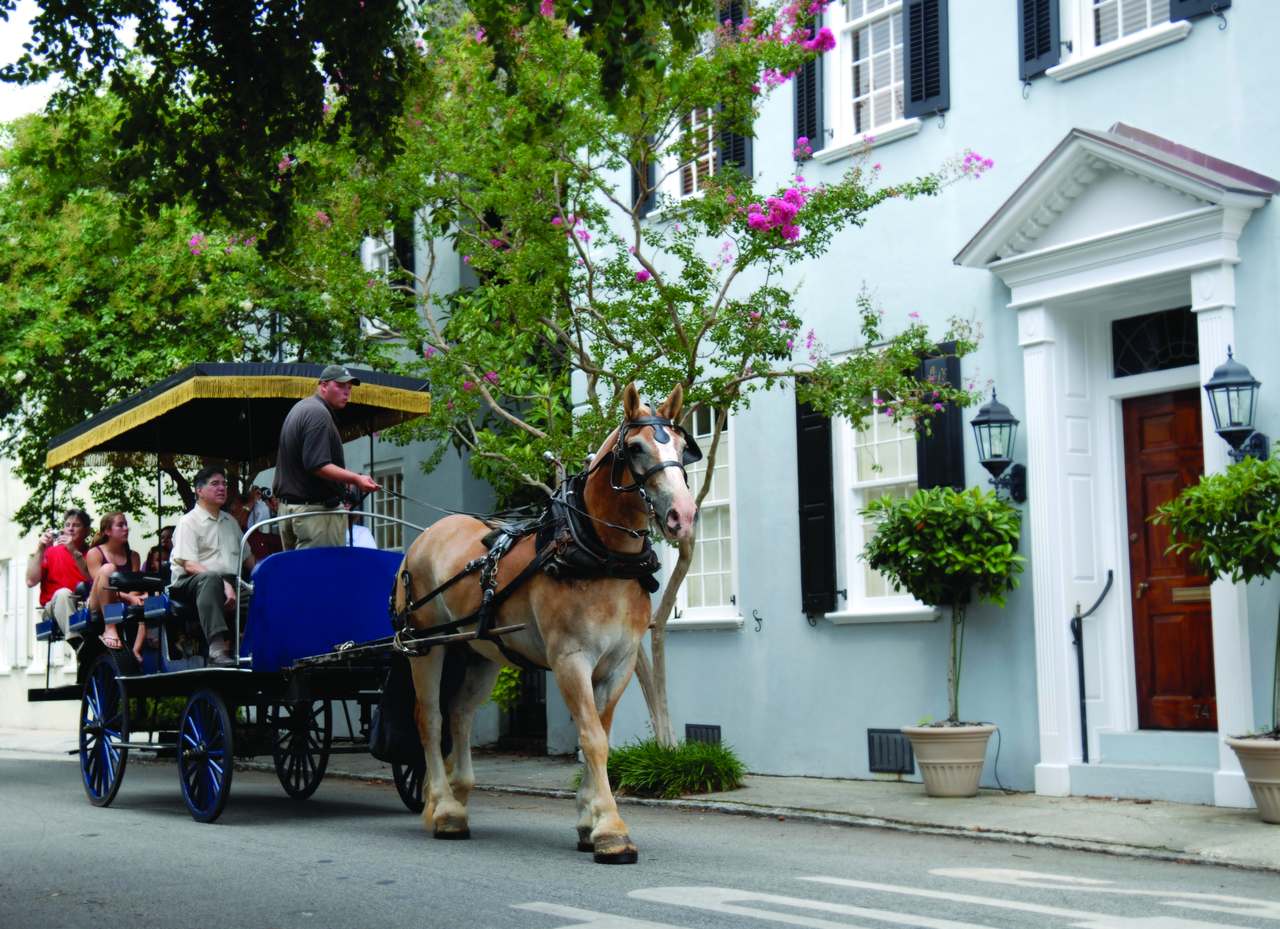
[(945, 548), (649, 769)]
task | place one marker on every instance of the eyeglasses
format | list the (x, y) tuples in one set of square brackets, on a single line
[(215, 484)]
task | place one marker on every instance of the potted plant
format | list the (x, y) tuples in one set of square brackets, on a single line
[(948, 549), (1229, 525)]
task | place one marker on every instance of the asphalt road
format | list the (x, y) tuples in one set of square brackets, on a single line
[(351, 856)]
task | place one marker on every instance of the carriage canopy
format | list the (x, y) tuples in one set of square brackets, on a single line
[(229, 411)]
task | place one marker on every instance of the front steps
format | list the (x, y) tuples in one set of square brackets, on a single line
[(1151, 765)]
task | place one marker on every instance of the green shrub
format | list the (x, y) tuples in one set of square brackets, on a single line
[(648, 769), (506, 689), (945, 548)]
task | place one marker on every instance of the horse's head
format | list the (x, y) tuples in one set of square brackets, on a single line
[(652, 450)]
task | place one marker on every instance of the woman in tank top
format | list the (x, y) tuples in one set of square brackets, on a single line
[(111, 553)]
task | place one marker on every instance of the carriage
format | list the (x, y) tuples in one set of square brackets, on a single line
[(567, 590), (315, 632)]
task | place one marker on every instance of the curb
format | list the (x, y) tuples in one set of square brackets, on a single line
[(738, 808)]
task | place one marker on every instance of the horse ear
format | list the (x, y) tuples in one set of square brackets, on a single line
[(631, 401), (674, 404)]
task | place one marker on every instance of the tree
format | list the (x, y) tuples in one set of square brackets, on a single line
[(97, 302), (514, 147)]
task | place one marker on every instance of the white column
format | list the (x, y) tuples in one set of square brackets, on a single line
[(1053, 686), (1213, 298)]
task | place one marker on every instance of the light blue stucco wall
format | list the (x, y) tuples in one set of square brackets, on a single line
[(796, 699)]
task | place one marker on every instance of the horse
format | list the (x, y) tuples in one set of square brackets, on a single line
[(587, 631)]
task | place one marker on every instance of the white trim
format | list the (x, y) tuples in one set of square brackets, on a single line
[(913, 613), (892, 132), (1091, 58), (709, 621)]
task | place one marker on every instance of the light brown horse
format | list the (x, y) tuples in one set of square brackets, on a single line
[(586, 631)]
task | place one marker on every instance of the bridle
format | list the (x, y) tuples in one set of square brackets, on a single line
[(620, 458)]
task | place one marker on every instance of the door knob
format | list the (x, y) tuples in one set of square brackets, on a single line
[(1142, 589)]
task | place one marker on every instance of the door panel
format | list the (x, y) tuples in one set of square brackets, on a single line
[(1172, 623)]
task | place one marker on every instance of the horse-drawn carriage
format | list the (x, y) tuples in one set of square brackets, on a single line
[(300, 604), (566, 590)]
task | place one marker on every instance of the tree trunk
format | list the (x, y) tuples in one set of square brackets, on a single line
[(953, 666), (652, 673), (185, 491)]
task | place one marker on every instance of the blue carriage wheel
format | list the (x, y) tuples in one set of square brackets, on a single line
[(104, 730), (301, 734), (205, 755), (409, 779)]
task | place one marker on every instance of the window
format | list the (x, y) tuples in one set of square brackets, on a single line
[(386, 502), (1115, 19), (7, 624), (709, 591), (877, 461), (869, 89), (1154, 342), (695, 174)]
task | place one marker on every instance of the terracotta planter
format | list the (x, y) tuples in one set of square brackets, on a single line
[(950, 757), (1260, 759)]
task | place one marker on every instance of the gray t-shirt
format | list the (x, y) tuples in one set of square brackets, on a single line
[(309, 439)]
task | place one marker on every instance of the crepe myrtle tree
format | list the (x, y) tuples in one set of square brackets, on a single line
[(98, 302), (514, 149)]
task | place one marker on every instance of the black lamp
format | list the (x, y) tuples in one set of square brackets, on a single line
[(1233, 400), (994, 429)]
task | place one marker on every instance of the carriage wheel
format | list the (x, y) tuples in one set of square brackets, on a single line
[(409, 780), (301, 733), (204, 755), (104, 727)]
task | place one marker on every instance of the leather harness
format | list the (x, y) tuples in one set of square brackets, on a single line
[(567, 547)]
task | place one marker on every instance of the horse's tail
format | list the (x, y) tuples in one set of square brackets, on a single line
[(456, 659)]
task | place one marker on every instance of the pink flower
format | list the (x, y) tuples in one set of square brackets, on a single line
[(428, 351), (468, 385), (642, 275), (495, 243), (790, 344), (196, 243), (913, 315), (322, 218), (876, 166), (583, 235), (938, 407), (556, 220), (478, 35), (491, 377), (284, 164), (888, 411), (547, 8), (631, 249), (824, 41), (466, 259)]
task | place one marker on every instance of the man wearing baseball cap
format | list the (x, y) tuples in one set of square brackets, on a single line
[(310, 471)]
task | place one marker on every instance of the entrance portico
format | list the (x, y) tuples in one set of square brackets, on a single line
[(1111, 226)]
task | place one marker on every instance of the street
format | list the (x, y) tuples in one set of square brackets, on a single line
[(353, 856)]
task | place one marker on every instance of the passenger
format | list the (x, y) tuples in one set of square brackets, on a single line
[(58, 567), (206, 545), (166, 544), (111, 553), (155, 559), (358, 534), (310, 467)]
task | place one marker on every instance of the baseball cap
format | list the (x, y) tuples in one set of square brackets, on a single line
[(340, 374)]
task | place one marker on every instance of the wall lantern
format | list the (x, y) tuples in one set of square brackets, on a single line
[(994, 429), (1233, 400)]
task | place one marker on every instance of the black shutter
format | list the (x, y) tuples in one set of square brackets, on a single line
[(1185, 9), (650, 181), (808, 112), (940, 455), (817, 511), (925, 65), (735, 150), (1039, 45), (402, 245)]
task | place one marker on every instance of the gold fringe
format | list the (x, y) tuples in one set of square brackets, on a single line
[(411, 402)]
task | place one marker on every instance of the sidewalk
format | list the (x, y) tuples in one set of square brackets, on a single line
[(1170, 831)]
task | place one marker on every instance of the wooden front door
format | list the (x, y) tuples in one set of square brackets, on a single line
[(1172, 622)]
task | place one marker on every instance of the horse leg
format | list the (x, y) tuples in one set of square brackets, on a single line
[(442, 812), (608, 836), (475, 689)]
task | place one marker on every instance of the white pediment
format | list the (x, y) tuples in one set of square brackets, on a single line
[(1109, 199), (1096, 185)]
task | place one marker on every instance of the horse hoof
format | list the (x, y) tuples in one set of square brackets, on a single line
[(585, 846), (452, 834), (625, 856)]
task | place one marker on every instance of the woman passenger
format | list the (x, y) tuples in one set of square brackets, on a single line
[(111, 553)]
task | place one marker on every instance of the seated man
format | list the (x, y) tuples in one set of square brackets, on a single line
[(58, 566), (206, 545)]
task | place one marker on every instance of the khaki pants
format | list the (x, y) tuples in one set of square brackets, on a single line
[(313, 531), (59, 608)]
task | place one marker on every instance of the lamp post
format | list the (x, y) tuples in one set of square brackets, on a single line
[(994, 429), (1233, 396)]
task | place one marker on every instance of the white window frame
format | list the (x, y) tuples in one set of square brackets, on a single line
[(8, 622), (385, 532), (723, 616), (851, 495), (670, 169), (1085, 56), (376, 254), (842, 141)]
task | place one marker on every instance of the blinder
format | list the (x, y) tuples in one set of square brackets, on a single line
[(621, 459)]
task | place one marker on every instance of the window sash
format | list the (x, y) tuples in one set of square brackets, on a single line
[(388, 535), (710, 586), (694, 174), (1112, 20), (870, 85)]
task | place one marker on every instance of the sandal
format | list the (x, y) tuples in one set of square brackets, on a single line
[(115, 645)]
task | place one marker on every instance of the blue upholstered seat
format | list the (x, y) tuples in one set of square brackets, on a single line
[(309, 600)]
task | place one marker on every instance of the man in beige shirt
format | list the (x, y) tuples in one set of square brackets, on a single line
[(206, 546)]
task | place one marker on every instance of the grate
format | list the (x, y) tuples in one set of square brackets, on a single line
[(699, 732), (889, 752)]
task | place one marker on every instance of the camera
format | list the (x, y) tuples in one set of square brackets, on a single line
[(264, 492)]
